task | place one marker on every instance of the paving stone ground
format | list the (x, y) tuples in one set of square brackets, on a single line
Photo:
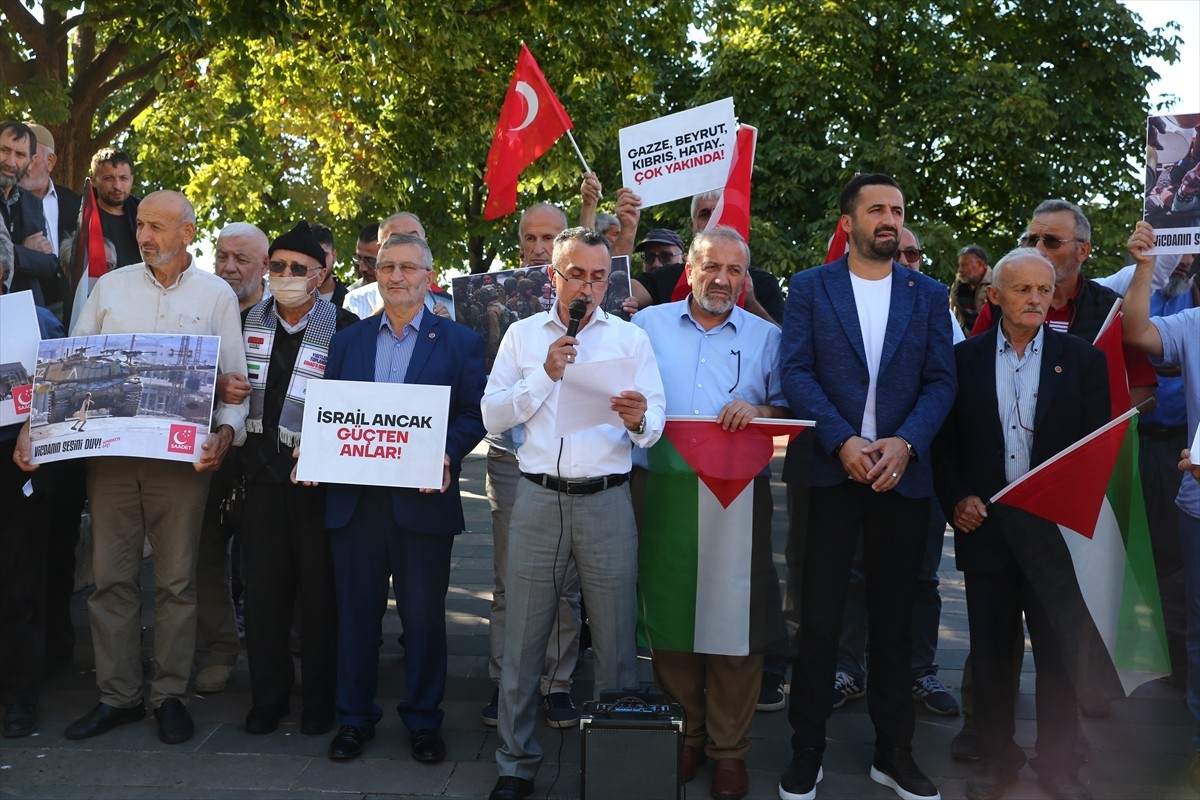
[(1141, 751)]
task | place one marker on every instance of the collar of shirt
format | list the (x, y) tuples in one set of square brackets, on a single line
[(299, 326), (1035, 346), (599, 316), (183, 276), (52, 192), (13, 197), (730, 321), (1065, 313), (414, 324)]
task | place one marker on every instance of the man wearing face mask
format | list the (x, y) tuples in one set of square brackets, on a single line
[(285, 549)]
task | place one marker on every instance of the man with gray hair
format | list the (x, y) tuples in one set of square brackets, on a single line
[(59, 204), (1018, 370), (136, 498), (582, 478), (968, 295), (241, 260)]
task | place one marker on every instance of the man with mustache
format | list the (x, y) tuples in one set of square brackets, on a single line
[(866, 354), (733, 355), (112, 178), (1026, 393), (21, 212)]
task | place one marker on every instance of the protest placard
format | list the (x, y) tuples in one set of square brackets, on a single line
[(488, 302), (130, 394), (678, 155), (18, 354), (1172, 195), (374, 434)]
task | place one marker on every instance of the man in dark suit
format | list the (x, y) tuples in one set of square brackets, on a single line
[(867, 354), (405, 533), (1026, 392), (36, 265), (60, 204)]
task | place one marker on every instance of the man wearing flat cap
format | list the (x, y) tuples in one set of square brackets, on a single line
[(285, 548)]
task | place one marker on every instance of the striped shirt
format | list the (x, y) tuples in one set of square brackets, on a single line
[(1017, 380), (392, 352)]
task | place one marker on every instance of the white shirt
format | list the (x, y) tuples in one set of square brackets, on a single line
[(873, 299), (50, 211), (520, 391), (131, 300)]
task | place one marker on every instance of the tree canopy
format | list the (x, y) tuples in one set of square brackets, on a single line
[(344, 112)]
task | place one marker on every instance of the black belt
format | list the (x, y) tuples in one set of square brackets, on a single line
[(576, 487), (1162, 431)]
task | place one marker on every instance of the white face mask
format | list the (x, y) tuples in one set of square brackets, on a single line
[(289, 291)]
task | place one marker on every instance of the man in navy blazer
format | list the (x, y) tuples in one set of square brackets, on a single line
[(867, 354), (405, 533), (1026, 393)]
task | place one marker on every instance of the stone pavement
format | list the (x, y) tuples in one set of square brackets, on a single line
[(1141, 751)]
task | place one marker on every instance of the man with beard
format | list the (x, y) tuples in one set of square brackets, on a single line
[(36, 265), (138, 498), (866, 354), (112, 178), (241, 260), (698, 338)]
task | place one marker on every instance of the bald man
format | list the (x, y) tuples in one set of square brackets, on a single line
[(133, 498)]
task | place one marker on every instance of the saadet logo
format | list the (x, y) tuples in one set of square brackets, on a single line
[(182, 439), (22, 398)]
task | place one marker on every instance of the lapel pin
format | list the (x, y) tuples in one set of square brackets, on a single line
[(432, 335), (1057, 368), (912, 283)]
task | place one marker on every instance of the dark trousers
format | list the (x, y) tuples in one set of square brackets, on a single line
[(894, 534), (369, 549), (22, 584), (995, 602), (62, 535), (286, 552), (1158, 457)]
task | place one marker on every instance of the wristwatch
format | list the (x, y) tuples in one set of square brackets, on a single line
[(641, 426), (912, 451)]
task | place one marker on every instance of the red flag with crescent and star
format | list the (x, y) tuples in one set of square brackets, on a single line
[(531, 121)]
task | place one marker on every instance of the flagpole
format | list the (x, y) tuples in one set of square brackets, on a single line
[(579, 153)]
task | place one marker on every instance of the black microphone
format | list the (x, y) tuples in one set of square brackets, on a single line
[(576, 311)]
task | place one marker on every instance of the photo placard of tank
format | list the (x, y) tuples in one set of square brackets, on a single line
[(127, 394)]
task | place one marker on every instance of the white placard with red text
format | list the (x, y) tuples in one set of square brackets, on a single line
[(679, 155), (374, 434)]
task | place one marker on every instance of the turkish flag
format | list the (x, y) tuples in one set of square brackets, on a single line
[(90, 261), (531, 120)]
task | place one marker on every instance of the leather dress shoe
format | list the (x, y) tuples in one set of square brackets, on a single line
[(19, 720), (1064, 786), (689, 760), (990, 782), (174, 722), (510, 787), (264, 719), (729, 779), (102, 719), (349, 742), (427, 746)]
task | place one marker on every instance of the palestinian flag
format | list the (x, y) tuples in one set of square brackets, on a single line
[(90, 261), (699, 561), (1077, 525)]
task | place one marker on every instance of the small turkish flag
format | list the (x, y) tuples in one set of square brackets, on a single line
[(531, 121)]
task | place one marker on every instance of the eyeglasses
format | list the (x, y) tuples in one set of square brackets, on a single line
[(359, 261), (662, 257), (1050, 242), (408, 270), (910, 254), (580, 283), (298, 270)]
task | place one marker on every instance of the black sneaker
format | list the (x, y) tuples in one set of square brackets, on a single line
[(896, 770), (559, 710), (490, 715), (847, 687), (800, 779), (770, 696), (929, 690)]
